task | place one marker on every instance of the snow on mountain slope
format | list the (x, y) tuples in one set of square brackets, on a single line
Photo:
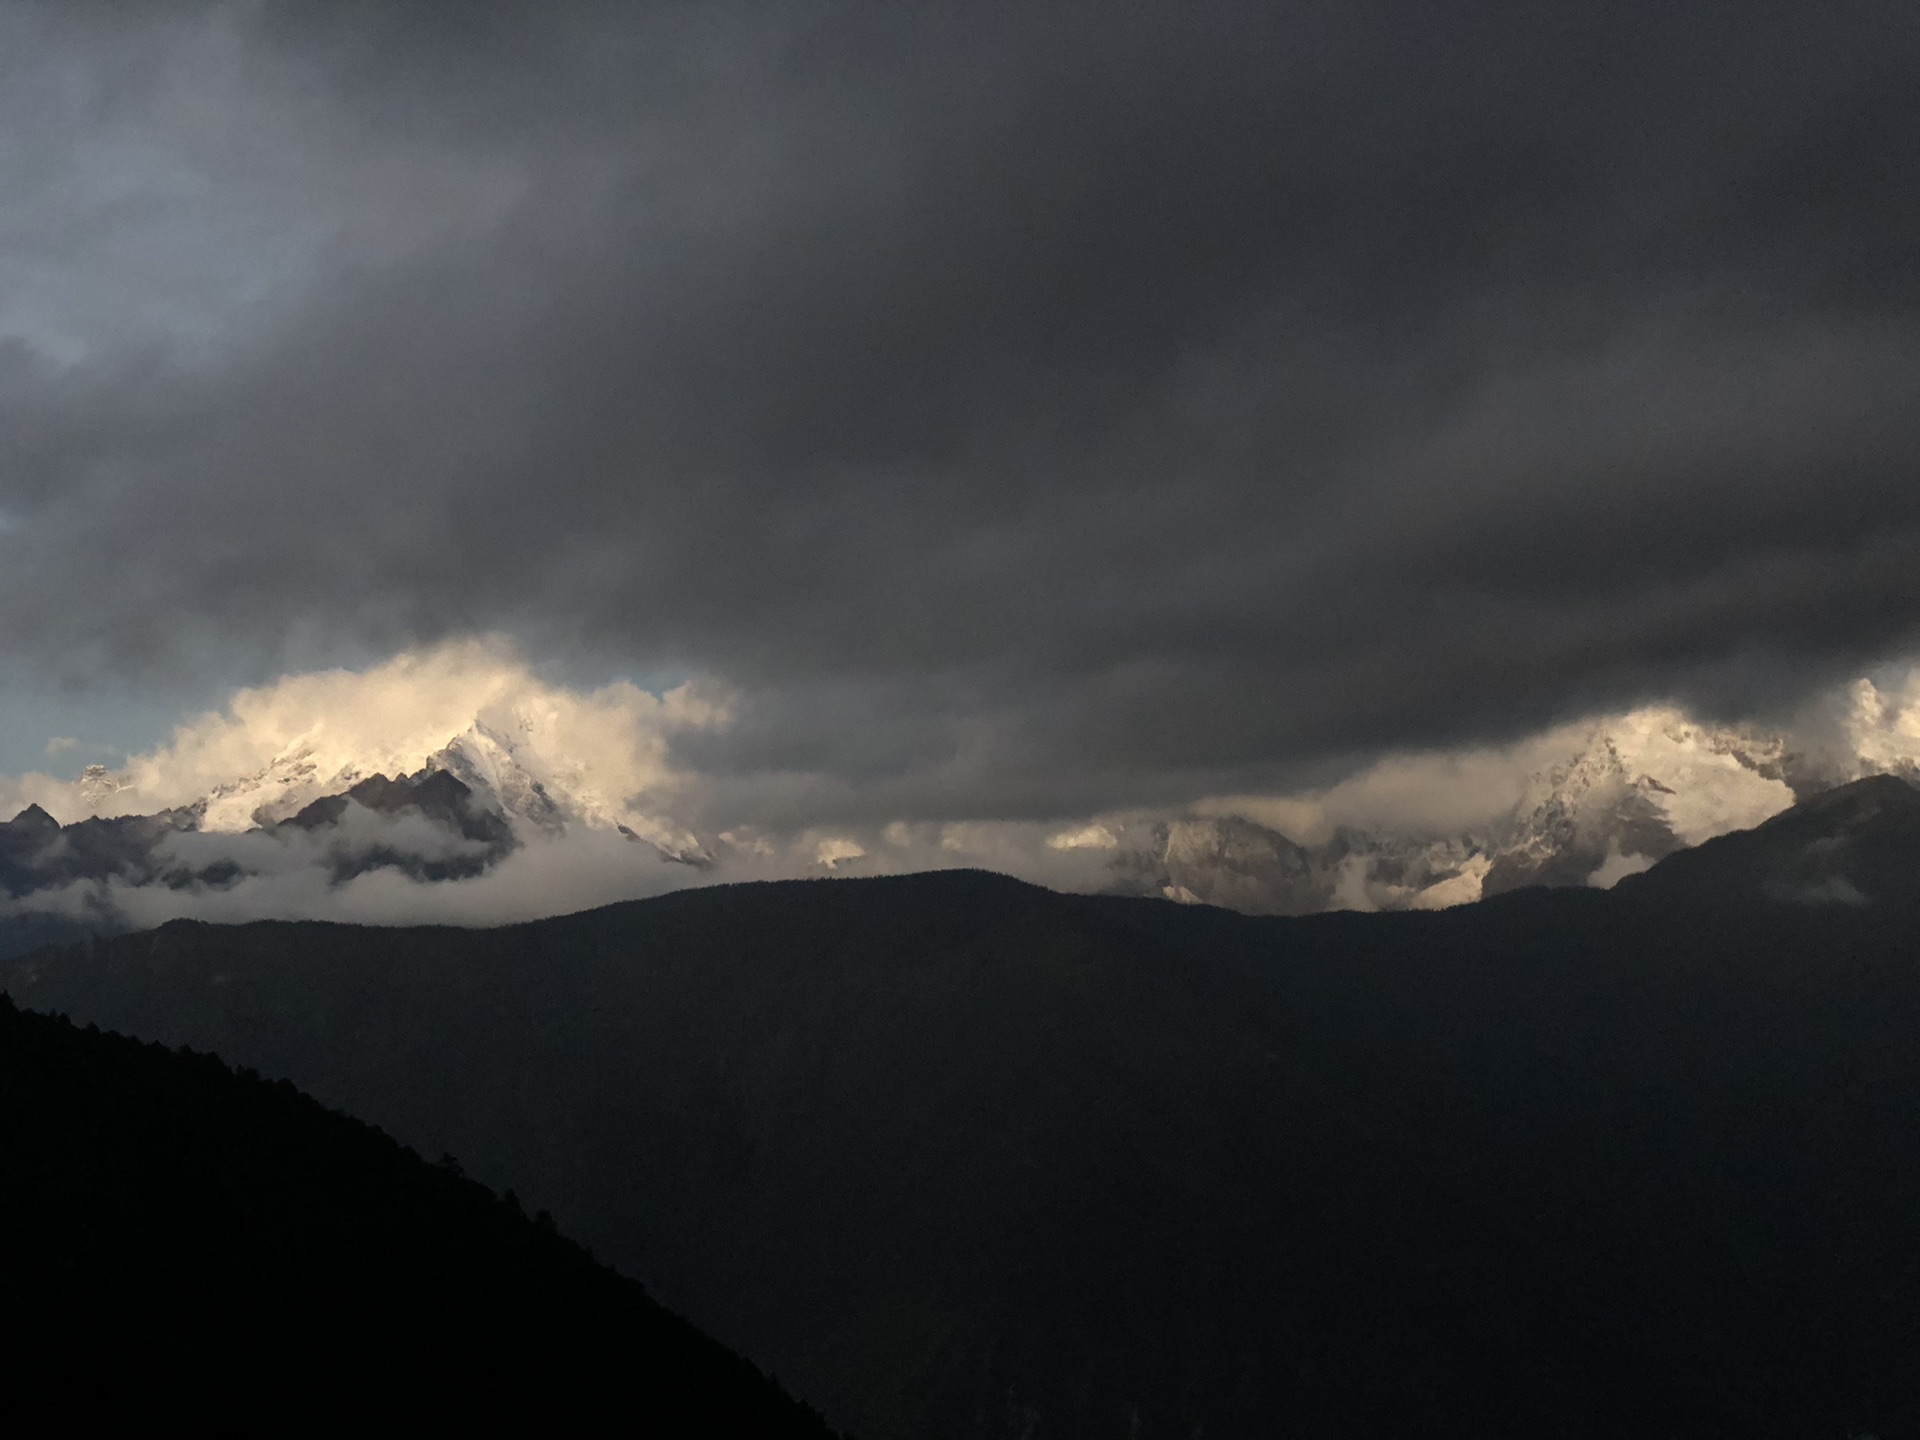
[(546, 757), (520, 773), (1642, 786), (1879, 729), (1623, 793), (1585, 804), (1593, 804)]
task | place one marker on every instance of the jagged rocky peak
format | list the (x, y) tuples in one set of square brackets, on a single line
[(1226, 861), (435, 793), (24, 843), (38, 853), (1572, 819), (32, 821), (484, 760), (471, 835), (272, 793), (305, 772), (98, 785), (511, 766), (1627, 793), (1638, 788)]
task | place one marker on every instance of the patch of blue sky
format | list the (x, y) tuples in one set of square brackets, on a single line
[(105, 727)]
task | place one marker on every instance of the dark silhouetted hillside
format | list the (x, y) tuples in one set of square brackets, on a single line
[(1856, 844), (956, 1156), (192, 1244)]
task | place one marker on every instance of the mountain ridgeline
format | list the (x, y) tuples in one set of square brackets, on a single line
[(1608, 801), (39, 853), (957, 1157)]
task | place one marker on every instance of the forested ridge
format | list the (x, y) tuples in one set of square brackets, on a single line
[(185, 1241)]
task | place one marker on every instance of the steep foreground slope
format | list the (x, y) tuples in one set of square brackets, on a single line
[(960, 1157), (187, 1243)]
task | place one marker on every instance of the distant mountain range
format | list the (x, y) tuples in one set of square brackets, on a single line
[(959, 1157), (1635, 791), (528, 778), (1623, 796), (467, 805)]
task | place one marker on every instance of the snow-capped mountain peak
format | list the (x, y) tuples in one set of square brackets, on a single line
[(510, 765), (484, 759), (550, 793), (277, 791), (1582, 804), (1641, 786), (1624, 792)]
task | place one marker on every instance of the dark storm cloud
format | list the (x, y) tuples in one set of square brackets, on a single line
[(1029, 408)]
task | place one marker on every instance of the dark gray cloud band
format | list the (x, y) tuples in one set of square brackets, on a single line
[(1029, 409)]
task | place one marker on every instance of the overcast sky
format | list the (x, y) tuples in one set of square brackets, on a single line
[(1021, 410)]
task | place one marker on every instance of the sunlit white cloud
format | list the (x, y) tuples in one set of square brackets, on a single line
[(275, 747), (1083, 837)]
